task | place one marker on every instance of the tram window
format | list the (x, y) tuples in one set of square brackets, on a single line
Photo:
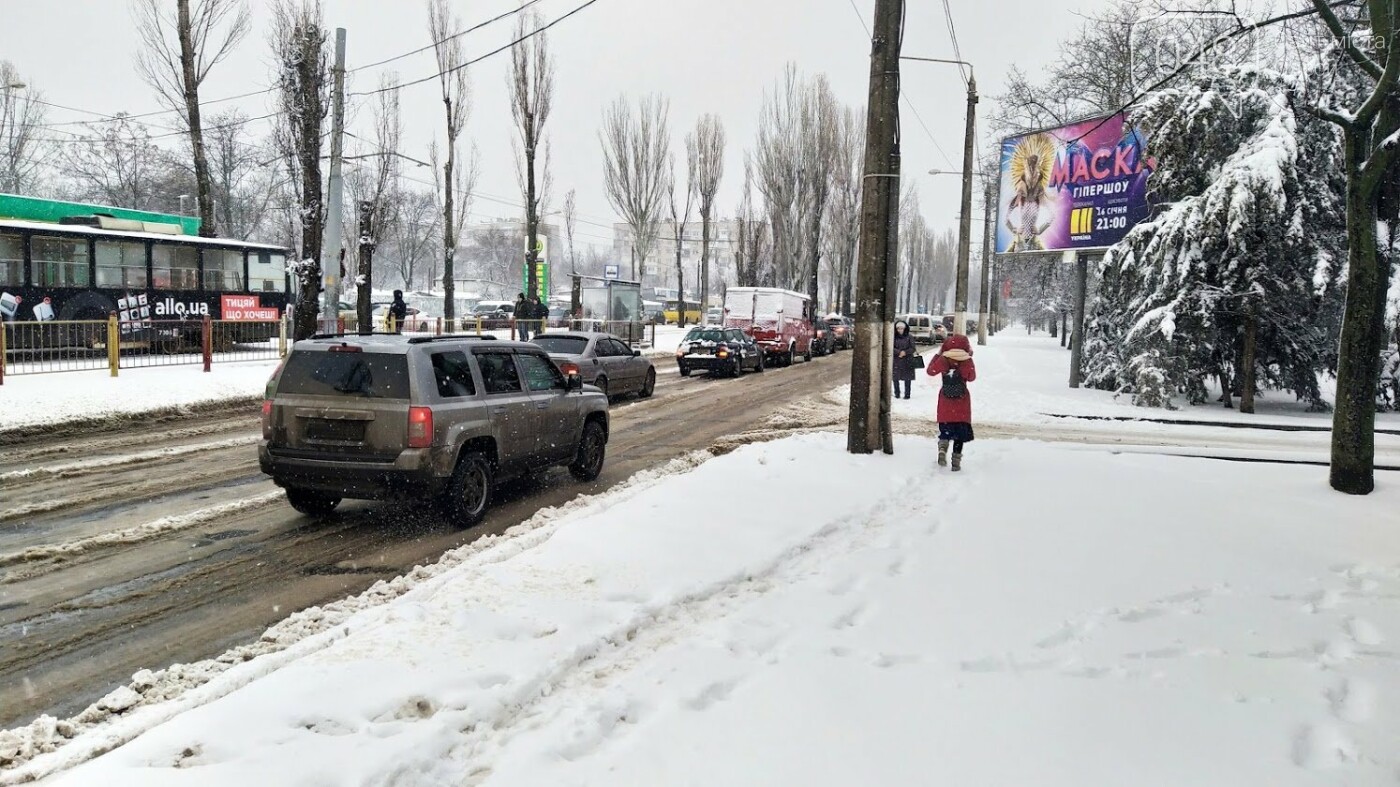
[(12, 260), (59, 262), (175, 267), (121, 264), (267, 272), (223, 269)]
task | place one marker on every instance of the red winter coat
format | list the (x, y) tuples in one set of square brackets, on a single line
[(954, 411)]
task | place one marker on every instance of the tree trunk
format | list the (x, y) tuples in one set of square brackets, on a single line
[(705, 257), (1247, 365), (1362, 339), (449, 233), (190, 85), (532, 213), (680, 281), (364, 280)]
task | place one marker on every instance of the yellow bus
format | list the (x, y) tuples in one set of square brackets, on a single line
[(692, 312)]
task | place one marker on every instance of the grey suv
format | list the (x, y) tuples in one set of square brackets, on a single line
[(442, 418)]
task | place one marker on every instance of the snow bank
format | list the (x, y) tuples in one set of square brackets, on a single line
[(27, 400), (1117, 620)]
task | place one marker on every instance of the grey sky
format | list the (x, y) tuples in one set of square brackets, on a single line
[(705, 55)]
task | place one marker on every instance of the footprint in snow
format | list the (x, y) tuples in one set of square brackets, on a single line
[(1321, 746), (1364, 632), (1352, 700)]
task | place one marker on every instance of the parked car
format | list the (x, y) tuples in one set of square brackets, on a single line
[(822, 342), (841, 331), (441, 418), (415, 320), (921, 327), (714, 316), (602, 360), (719, 350), (493, 315)]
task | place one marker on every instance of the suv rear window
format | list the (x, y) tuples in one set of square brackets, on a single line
[(360, 374)]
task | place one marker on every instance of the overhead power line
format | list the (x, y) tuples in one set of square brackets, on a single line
[(953, 35), (444, 40), (476, 60)]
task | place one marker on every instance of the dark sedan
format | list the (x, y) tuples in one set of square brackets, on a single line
[(841, 331), (602, 360), (721, 350)]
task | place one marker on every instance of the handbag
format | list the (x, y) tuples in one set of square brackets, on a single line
[(918, 360)]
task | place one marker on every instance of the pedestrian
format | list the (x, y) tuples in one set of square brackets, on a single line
[(954, 363), (539, 313), (939, 333), (906, 358), (398, 312), (522, 317)]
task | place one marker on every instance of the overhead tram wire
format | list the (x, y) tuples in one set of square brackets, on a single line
[(908, 102), (476, 60), (953, 35), (458, 34)]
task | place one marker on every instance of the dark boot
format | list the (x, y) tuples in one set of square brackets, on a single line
[(957, 462), (943, 453)]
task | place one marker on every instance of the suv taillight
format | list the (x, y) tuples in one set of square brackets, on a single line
[(267, 419), (420, 427)]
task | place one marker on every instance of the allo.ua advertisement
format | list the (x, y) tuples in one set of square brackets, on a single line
[(1081, 186)]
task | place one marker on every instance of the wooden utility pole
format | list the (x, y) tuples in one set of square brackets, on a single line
[(965, 218), (870, 381)]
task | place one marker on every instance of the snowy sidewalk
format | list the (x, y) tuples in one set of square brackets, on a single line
[(1116, 620)]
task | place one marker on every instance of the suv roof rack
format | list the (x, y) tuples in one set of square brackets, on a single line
[(348, 335), (450, 337)]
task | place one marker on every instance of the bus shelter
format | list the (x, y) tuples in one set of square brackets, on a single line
[(609, 305)]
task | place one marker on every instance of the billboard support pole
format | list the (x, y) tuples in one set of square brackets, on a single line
[(965, 220), (984, 294), (1081, 286)]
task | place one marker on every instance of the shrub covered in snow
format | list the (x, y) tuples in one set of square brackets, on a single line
[(1249, 225)]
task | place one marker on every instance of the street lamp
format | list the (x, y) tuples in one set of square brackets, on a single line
[(984, 305), (965, 224)]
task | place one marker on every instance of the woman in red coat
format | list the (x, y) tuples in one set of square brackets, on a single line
[(954, 363)]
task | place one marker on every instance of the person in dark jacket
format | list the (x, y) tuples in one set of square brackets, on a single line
[(539, 314), (904, 355), (522, 317), (398, 312), (954, 363)]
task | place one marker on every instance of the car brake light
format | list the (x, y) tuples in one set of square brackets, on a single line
[(343, 348), (420, 427), (569, 368), (267, 419)]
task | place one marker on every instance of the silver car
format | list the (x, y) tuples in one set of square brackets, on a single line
[(602, 360)]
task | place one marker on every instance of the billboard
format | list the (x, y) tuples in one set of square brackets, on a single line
[(1080, 186)]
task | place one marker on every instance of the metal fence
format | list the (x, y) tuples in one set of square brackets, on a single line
[(634, 333), (70, 346)]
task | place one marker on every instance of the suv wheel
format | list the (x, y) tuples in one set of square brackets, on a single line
[(592, 450), (648, 385), (312, 503), (685, 370), (791, 355), (468, 495), (758, 367), (738, 370)]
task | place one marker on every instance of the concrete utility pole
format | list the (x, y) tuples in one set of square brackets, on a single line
[(870, 361), (364, 307), (965, 221), (1081, 288), (985, 308), (330, 249)]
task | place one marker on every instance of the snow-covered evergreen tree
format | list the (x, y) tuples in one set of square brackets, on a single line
[(1249, 227)]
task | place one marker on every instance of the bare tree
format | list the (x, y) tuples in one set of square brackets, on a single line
[(570, 219), (749, 251), (22, 151), (820, 151), (373, 188), (244, 189), (456, 98), (636, 149), (177, 53), (844, 207), (301, 65), (778, 162), (531, 83), (413, 233), (680, 218), (705, 146), (1371, 133), (118, 164), (460, 194)]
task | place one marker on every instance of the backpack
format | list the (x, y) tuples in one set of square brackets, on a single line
[(954, 386)]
